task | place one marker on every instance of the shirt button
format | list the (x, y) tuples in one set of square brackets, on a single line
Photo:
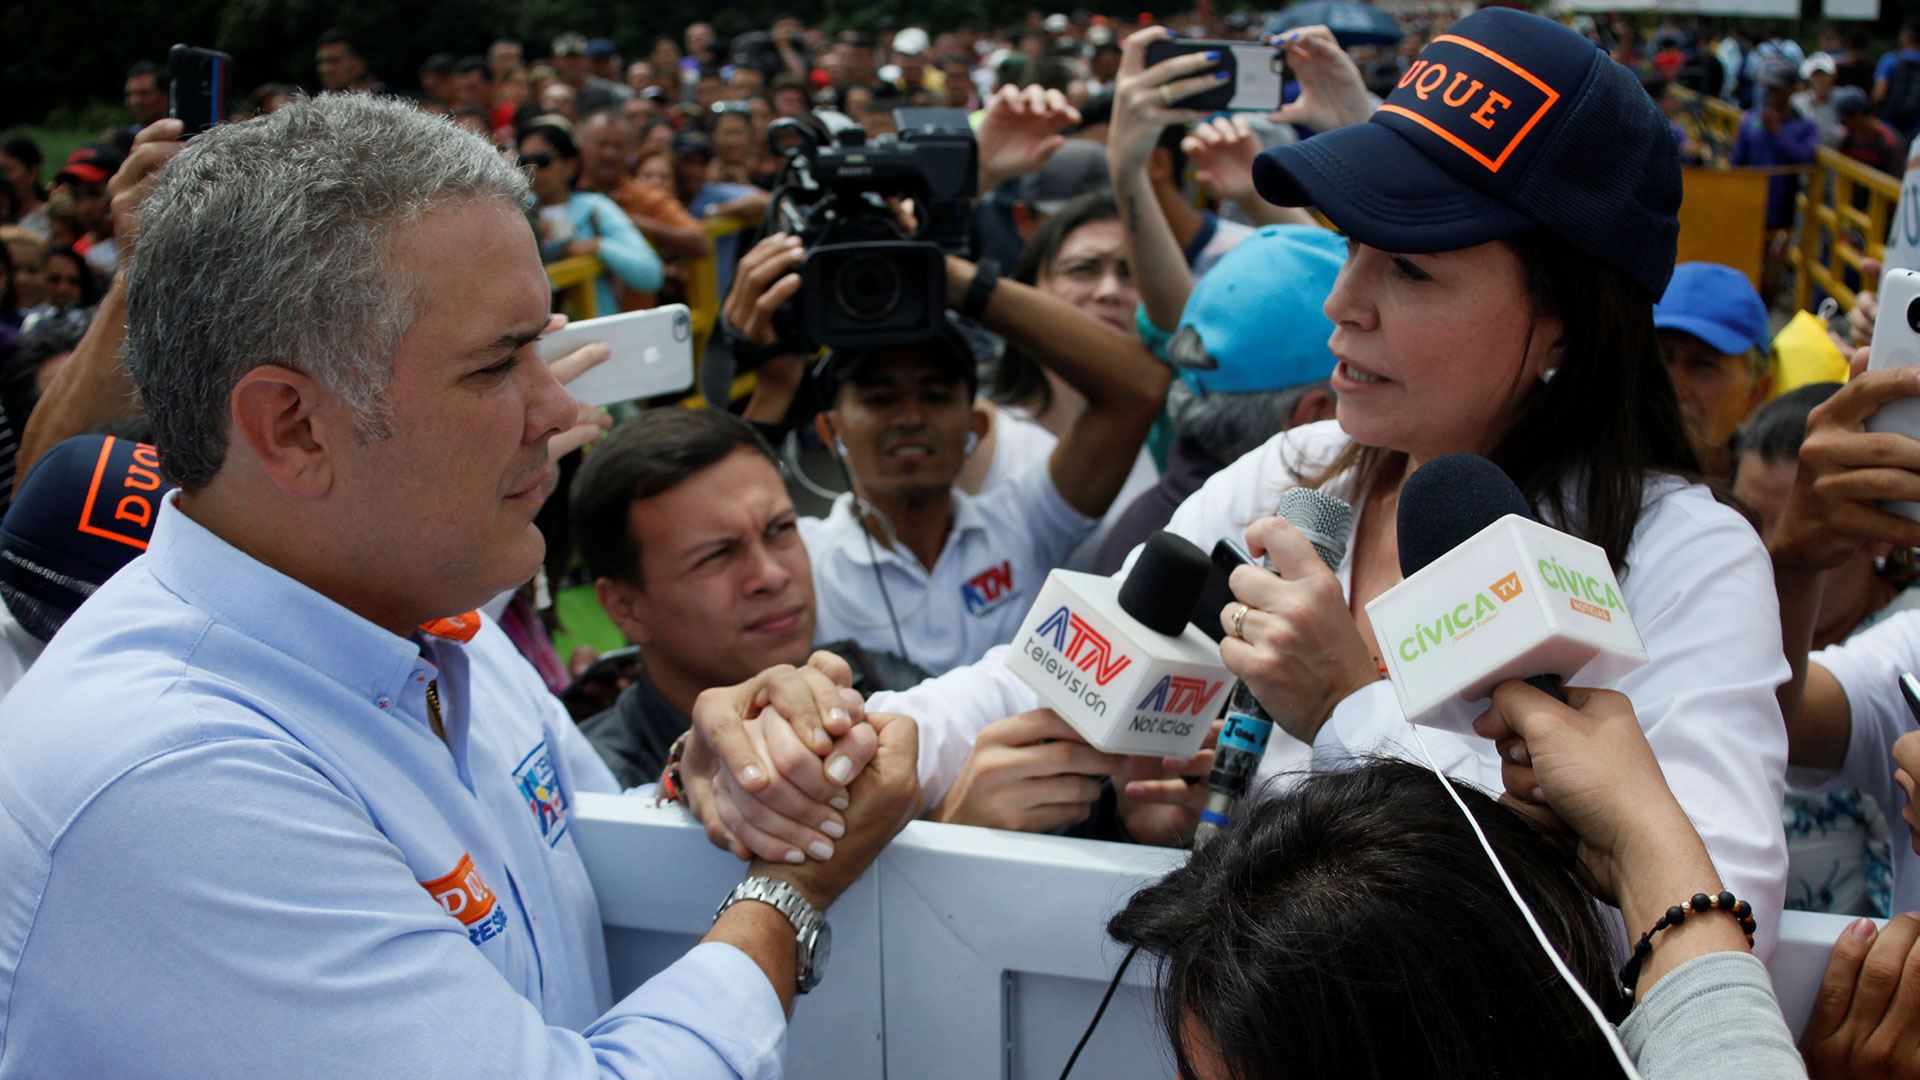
[(384, 702)]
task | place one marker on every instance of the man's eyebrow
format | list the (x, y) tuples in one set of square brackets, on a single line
[(510, 342)]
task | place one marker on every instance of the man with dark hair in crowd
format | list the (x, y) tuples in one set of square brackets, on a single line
[(606, 144), (472, 85), (1865, 137), (340, 65), (293, 671), (145, 94), (683, 520), (436, 82), (504, 55)]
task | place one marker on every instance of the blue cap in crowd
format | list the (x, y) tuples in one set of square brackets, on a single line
[(85, 511), (1254, 322), (1716, 304), (1505, 122)]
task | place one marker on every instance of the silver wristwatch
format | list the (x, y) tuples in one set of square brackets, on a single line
[(813, 937)]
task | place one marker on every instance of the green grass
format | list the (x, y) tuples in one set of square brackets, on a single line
[(55, 144)]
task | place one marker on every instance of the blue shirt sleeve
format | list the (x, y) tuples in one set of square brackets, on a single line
[(622, 249), (237, 915), (1886, 65)]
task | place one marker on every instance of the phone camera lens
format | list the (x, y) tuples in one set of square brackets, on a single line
[(1913, 315)]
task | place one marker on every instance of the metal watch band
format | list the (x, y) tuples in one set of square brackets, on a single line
[(808, 924)]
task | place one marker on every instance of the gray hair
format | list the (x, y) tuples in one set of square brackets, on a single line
[(270, 242), (1227, 425)]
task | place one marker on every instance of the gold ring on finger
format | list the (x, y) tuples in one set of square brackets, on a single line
[(1240, 617)]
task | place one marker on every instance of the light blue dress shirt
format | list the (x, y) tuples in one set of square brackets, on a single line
[(232, 846)]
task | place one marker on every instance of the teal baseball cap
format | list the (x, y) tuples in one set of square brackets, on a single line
[(1255, 321)]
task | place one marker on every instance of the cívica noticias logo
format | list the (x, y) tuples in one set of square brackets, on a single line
[(1077, 649), (1586, 594)]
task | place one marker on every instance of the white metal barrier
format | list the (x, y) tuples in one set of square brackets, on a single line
[(963, 953)]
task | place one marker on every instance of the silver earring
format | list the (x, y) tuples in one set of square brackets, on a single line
[(1547, 375), (839, 446)]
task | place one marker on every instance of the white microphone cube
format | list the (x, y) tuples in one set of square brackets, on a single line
[(1125, 688), (1517, 600)]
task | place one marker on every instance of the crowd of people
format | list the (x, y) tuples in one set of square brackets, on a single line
[(288, 490)]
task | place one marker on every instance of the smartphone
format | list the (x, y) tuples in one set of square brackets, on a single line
[(652, 354), (197, 85), (1256, 74), (1217, 594), (1896, 343), (1910, 689)]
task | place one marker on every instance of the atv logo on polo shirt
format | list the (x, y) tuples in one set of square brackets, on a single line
[(1480, 102), (988, 589)]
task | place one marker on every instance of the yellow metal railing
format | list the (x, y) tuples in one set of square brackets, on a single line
[(575, 279), (1845, 209), (703, 279)]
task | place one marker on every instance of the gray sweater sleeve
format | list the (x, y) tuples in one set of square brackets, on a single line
[(1714, 1015)]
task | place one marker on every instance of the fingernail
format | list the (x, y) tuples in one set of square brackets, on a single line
[(851, 696), (1214, 55), (839, 714), (833, 828), (821, 850), (796, 857), (1536, 795), (839, 769), (1219, 75), (751, 775), (1862, 928), (839, 802)]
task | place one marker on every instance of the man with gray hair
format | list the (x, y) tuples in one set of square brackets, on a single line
[(276, 802)]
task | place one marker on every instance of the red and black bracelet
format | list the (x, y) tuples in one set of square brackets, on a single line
[(1677, 914)]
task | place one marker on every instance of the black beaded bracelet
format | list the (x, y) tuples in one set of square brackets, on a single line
[(1741, 911)]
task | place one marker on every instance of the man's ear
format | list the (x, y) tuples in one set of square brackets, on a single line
[(1315, 405), (823, 427), (282, 417), (625, 604)]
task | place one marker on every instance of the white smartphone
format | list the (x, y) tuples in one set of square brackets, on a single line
[(1896, 343), (652, 354), (1256, 70)]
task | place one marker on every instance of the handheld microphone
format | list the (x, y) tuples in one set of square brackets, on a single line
[(1490, 594), (1326, 522), (1120, 662)]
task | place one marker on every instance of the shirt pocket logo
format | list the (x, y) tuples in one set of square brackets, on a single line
[(539, 788)]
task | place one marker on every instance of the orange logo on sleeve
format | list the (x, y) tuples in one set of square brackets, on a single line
[(459, 628), (462, 893)]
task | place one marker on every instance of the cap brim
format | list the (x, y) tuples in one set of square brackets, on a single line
[(86, 174), (1377, 188), (1720, 337)]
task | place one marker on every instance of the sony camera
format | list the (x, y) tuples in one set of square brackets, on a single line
[(865, 281)]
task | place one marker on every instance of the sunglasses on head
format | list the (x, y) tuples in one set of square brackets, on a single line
[(538, 161)]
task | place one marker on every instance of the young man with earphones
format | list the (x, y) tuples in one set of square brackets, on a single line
[(905, 562)]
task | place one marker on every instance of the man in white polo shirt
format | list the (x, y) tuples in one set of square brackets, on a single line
[(922, 569)]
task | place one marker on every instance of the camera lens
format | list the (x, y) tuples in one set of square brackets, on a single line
[(866, 288), (1913, 315)]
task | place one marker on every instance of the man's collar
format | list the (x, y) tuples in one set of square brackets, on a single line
[(248, 596), (966, 518)]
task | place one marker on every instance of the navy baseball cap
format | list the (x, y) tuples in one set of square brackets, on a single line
[(1505, 122), (86, 510), (1716, 304)]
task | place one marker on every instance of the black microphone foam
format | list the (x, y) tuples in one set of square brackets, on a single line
[(1448, 500), (1160, 589)]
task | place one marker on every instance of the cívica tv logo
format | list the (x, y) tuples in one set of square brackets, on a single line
[(1463, 618)]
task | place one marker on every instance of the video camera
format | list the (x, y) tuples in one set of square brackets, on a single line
[(865, 281)]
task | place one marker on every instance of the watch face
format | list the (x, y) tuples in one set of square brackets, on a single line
[(817, 955)]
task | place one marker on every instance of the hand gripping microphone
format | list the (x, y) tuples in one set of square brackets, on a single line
[(1490, 594), (1120, 662), (1326, 522)]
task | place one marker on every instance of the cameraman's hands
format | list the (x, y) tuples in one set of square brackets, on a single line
[(1029, 772), (1333, 93), (153, 147), (1141, 95), (763, 281), (1020, 131)]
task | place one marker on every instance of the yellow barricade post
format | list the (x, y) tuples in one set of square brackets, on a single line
[(575, 279), (1844, 214)]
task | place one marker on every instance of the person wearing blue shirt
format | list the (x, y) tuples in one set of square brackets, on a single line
[(1896, 83), (275, 802), (570, 222), (1774, 133)]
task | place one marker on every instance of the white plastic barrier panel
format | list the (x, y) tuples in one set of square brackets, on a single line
[(659, 879), (963, 953)]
